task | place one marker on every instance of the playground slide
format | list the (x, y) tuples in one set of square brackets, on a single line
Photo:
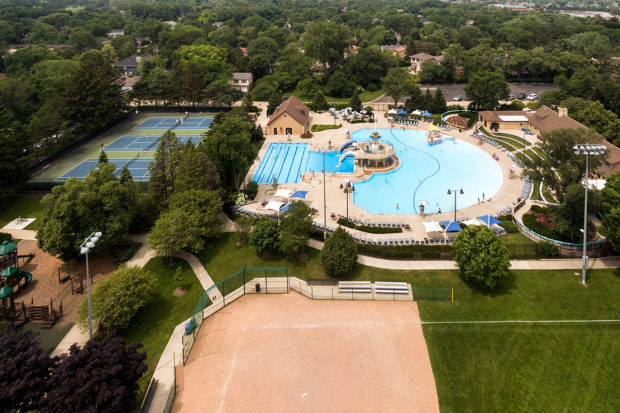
[(345, 146), (343, 156)]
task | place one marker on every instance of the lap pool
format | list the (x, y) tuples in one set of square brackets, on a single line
[(426, 173)]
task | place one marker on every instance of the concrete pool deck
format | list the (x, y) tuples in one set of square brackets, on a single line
[(336, 200)]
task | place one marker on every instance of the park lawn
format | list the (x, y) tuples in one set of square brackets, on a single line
[(153, 325), (527, 367), (24, 206), (516, 239)]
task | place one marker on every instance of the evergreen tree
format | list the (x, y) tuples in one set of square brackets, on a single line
[(163, 168), (439, 102), (248, 104), (274, 100), (427, 100), (416, 100), (319, 103), (356, 102), (125, 176), (103, 158), (195, 171)]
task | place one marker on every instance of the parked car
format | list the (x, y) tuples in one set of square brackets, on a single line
[(521, 96), (532, 96), (457, 98), (511, 97)]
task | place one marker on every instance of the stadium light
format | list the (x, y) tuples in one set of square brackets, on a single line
[(587, 150), (87, 245)]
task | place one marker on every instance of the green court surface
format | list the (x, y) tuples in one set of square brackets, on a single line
[(92, 148)]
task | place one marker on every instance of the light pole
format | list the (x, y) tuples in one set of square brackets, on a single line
[(347, 188), (586, 150), (455, 191), (87, 245)]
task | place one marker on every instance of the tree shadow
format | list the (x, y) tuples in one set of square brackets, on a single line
[(503, 287)]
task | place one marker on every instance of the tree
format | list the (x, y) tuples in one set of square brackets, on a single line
[(482, 258), (24, 371), (339, 85), (222, 93), (13, 172), (561, 166), (319, 103), (207, 60), (339, 254), (103, 158), (356, 102), (93, 94), (274, 100), (164, 168), (100, 377), (485, 89), (569, 220), (296, 224), (438, 104), (229, 148), (397, 83), (117, 299), (72, 211), (243, 227), (195, 171), (610, 221), (125, 176), (264, 235), (326, 41), (109, 54), (188, 82), (369, 66)]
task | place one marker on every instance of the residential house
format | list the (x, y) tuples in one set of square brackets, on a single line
[(396, 49), (242, 81), (417, 59), (116, 32), (128, 83), (291, 117), (129, 65)]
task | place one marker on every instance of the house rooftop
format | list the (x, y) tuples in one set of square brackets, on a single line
[(242, 76), (294, 108)]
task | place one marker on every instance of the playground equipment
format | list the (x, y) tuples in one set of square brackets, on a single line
[(13, 276), (434, 135), (8, 254), (14, 315)]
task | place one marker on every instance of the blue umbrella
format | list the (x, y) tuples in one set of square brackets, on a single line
[(402, 112), (451, 226), (299, 194), (489, 220), (426, 114), (285, 207)]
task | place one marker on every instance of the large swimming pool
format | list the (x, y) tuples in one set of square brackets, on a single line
[(426, 173), (286, 162)]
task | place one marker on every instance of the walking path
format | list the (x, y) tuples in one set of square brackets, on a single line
[(26, 234), (549, 264)]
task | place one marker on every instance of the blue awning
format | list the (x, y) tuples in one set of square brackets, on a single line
[(489, 220), (426, 114), (402, 112), (285, 207), (451, 226), (299, 194)]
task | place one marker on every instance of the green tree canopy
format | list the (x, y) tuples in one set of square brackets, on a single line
[(339, 254), (296, 224), (610, 221), (118, 298), (397, 83), (264, 235), (482, 258), (485, 89), (326, 41)]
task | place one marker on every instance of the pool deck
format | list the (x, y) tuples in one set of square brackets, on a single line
[(335, 198)]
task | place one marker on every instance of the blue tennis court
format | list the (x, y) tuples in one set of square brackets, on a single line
[(139, 168), (140, 142), (176, 123)]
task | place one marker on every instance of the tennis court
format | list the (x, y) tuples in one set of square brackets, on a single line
[(176, 123), (148, 142), (139, 168)]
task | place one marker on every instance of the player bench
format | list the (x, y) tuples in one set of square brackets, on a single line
[(354, 287), (387, 287)]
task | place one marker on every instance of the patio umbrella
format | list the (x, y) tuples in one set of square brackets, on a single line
[(451, 226), (489, 220), (426, 113), (299, 194), (402, 112), (375, 135)]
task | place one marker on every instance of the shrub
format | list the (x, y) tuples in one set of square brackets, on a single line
[(546, 249), (251, 189), (116, 300), (371, 230), (5, 237), (482, 258), (339, 254), (508, 224), (319, 128), (264, 235)]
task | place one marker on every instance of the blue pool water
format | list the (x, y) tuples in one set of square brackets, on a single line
[(426, 173), (288, 161)]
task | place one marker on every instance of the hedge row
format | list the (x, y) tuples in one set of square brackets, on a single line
[(406, 251), (366, 228), (319, 128)]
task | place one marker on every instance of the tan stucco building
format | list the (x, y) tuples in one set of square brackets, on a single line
[(291, 117)]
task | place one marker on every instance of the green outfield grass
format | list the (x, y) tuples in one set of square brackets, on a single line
[(24, 206)]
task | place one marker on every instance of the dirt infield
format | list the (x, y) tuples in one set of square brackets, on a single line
[(285, 352)]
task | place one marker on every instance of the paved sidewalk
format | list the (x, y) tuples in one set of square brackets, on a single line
[(548, 264), (26, 234)]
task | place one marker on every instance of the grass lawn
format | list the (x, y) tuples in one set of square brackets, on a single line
[(365, 96), (527, 367), (49, 337), (516, 239), (536, 189), (24, 206), (153, 325)]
